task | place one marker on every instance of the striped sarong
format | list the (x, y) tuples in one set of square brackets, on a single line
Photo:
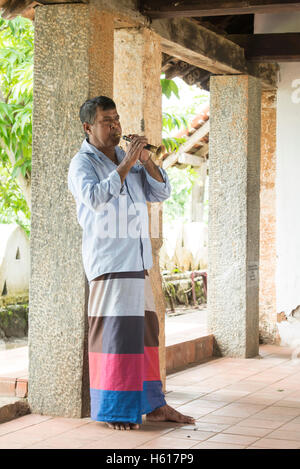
[(123, 348)]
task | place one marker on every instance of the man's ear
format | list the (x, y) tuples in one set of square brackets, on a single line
[(87, 128)]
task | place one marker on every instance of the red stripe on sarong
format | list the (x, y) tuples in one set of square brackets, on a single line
[(152, 371), (116, 372)]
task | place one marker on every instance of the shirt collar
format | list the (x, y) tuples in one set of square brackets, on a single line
[(87, 147)]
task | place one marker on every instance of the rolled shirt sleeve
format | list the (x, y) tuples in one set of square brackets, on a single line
[(156, 191), (86, 186)]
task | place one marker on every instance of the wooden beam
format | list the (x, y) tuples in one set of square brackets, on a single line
[(196, 45), (186, 146), (199, 46), (12, 8), (190, 8), (203, 151), (189, 159), (281, 47), (126, 12)]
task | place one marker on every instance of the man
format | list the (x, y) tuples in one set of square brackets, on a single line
[(111, 187)]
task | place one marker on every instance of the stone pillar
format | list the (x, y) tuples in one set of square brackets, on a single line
[(137, 93), (73, 61), (233, 227), (267, 268)]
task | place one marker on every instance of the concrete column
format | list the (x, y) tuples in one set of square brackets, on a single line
[(233, 233), (137, 92), (267, 268), (73, 61)]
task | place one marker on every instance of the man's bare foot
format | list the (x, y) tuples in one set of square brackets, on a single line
[(122, 425), (167, 413)]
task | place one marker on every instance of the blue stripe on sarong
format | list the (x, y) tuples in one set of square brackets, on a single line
[(153, 396), (126, 406), (116, 406)]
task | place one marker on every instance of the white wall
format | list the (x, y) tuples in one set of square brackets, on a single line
[(288, 167)]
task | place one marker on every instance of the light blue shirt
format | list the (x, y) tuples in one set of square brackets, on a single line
[(114, 217)]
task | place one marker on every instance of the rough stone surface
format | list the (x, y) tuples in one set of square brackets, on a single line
[(73, 61), (234, 171), (12, 407), (267, 287), (126, 12), (137, 92)]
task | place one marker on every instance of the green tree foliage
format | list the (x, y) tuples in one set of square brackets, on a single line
[(16, 80), (169, 87), (182, 180), (170, 122), (13, 206), (16, 98)]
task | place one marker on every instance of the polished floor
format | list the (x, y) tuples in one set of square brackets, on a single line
[(238, 404)]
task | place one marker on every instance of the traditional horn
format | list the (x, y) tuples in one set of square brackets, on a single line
[(159, 151)]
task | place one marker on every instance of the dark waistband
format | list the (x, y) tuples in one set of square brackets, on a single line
[(112, 274)]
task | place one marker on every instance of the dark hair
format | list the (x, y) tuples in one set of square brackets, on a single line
[(88, 109)]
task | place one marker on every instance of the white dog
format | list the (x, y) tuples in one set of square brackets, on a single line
[(289, 331)]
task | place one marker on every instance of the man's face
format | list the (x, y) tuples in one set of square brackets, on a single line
[(106, 130)]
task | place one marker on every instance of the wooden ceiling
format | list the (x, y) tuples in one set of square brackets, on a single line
[(223, 25), (196, 8), (232, 20)]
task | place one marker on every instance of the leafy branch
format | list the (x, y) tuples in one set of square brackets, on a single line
[(170, 121), (16, 99)]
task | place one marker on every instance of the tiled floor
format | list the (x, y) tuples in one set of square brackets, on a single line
[(238, 403)]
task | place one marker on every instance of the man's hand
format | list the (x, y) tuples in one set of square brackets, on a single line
[(136, 150)]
